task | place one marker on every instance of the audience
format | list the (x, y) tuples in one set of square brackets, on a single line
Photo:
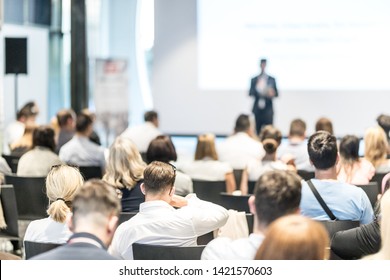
[(206, 165), (277, 193), (375, 149), (95, 216), (80, 150), (162, 149), (143, 134), (351, 168), (38, 161), (62, 184), (125, 173), (66, 119), (324, 124), (241, 147), (294, 237), (158, 222), (24, 144), (345, 201)]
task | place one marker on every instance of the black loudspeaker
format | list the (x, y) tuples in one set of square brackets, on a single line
[(15, 55)]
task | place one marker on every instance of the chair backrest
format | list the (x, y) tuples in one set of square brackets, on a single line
[(35, 248), (306, 175), (250, 220), (334, 226), (235, 202), (10, 212), (209, 190), (251, 186), (238, 176), (372, 191), (125, 216), (91, 172), (378, 179), (159, 252), (30, 193), (12, 162)]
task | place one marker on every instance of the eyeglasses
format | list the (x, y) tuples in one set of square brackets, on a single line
[(59, 165)]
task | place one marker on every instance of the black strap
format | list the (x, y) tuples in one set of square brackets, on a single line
[(321, 201)]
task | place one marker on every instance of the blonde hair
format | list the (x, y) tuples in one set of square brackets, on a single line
[(62, 184), (125, 166), (294, 237), (206, 147), (375, 145)]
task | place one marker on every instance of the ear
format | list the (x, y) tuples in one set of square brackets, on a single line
[(143, 188), (69, 222), (112, 223), (251, 203)]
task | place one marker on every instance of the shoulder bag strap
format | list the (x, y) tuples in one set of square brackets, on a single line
[(321, 201)]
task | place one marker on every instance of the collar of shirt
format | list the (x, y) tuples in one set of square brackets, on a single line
[(149, 206), (85, 237)]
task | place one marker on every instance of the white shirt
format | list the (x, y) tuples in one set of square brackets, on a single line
[(206, 169), (142, 135), (239, 149), (256, 168), (224, 248), (83, 152), (47, 231), (161, 224), (13, 132)]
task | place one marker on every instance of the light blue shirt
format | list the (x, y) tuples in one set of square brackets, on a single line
[(347, 202)]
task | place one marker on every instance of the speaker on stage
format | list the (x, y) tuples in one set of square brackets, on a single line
[(16, 56)]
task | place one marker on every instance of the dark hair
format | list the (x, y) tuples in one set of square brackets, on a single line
[(297, 128), (64, 115), (30, 109), (158, 176), (349, 148), (162, 149), (263, 60), (324, 124), (83, 121), (150, 116), (44, 136), (242, 123), (277, 193), (322, 148), (270, 137)]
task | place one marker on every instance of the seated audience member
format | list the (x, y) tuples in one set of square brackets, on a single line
[(241, 147), (324, 124), (125, 173), (24, 144), (95, 217), (364, 240), (384, 251), (66, 119), (206, 165), (62, 184), (94, 137), (277, 193), (294, 237), (296, 148), (375, 149), (158, 222), (80, 150), (143, 134), (38, 161), (271, 138), (351, 168), (345, 201), (15, 130), (162, 149)]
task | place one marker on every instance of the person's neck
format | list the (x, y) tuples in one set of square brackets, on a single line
[(326, 174), (160, 196), (270, 157), (258, 228), (82, 134)]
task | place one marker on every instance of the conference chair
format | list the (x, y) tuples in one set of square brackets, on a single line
[(125, 216), (238, 176), (159, 252), (35, 248), (251, 186), (30, 193), (235, 202), (12, 162), (378, 177), (372, 191), (209, 190), (91, 172), (306, 175), (10, 213)]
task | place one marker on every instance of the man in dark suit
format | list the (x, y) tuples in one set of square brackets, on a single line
[(95, 216), (263, 89)]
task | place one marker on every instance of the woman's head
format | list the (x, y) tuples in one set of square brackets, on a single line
[(270, 137), (161, 149), (206, 147), (294, 237), (349, 148), (44, 136), (375, 145), (62, 183), (125, 166)]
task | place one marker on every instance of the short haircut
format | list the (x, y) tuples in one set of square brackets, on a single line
[(349, 148), (322, 149), (64, 115), (297, 128), (205, 147), (324, 124), (270, 137), (162, 149), (159, 176), (277, 193), (83, 122), (30, 109), (44, 136), (242, 123), (263, 60), (96, 200), (150, 116)]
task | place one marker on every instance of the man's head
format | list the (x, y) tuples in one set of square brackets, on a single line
[(28, 113), (277, 193), (243, 123), (324, 124), (159, 178), (151, 116), (66, 119), (322, 148), (84, 124), (297, 128), (263, 64), (96, 207)]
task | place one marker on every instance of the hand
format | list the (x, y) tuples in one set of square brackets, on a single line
[(271, 92), (178, 201)]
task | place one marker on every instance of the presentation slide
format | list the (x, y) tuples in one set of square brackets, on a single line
[(322, 45)]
